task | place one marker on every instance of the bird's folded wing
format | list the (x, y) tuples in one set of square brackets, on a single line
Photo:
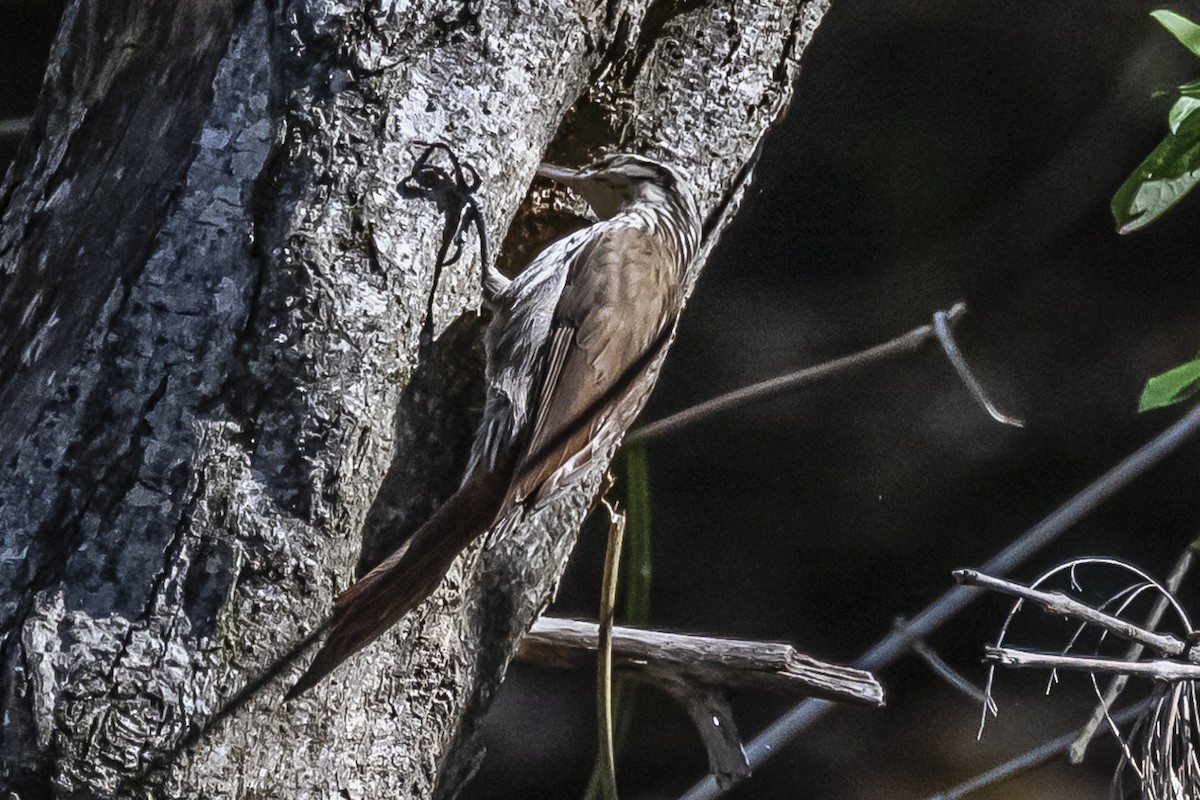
[(616, 312)]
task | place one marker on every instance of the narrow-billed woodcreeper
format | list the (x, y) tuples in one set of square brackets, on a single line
[(572, 353)]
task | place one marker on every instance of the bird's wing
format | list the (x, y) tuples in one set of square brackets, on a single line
[(615, 313)]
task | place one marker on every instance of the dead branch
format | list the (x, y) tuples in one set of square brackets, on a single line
[(941, 329), (703, 660), (1099, 714), (15, 127), (696, 671), (1059, 604), (897, 643), (1161, 670), (905, 343), (947, 673)]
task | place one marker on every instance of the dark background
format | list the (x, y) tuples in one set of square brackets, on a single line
[(936, 152)]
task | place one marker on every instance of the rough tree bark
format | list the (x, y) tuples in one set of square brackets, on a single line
[(211, 290)]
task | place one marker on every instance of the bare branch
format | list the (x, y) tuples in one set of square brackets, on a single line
[(703, 660), (941, 328), (15, 127), (710, 713), (946, 672), (1174, 580), (905, 343), (936, 614), (1059, 604), (1159, 670)]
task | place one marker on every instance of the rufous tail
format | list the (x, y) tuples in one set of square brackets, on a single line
[(398, 584)]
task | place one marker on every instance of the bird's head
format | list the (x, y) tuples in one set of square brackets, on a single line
[(617, 181)]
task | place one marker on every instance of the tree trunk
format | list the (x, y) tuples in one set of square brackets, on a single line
[(211, 387)]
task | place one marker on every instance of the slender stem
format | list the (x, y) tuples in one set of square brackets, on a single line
[(941, 329), (638, 535), (905, 343), (896, 643), (946, 672), (604, 661), (14, 127)]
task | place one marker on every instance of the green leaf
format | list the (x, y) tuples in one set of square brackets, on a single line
[(1173, 386), (1183, 108), (1182, 28), (1162, 180)]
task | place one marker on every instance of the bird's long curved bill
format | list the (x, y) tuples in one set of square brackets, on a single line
[(557, 173)]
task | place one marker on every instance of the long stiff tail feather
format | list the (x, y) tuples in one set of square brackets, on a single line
[(380, 598)]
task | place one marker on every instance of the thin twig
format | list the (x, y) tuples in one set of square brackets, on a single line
[(944, 671), (1036, 757), (941, 328), (712, 716), (1117, 685), (905, 343), (896, 643), (604, 653), (1161, 670), (14, 127), (1059, 604)]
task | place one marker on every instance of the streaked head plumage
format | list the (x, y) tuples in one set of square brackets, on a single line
[(616, 181)]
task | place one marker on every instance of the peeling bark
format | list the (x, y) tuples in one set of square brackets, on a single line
[(211, 290)]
